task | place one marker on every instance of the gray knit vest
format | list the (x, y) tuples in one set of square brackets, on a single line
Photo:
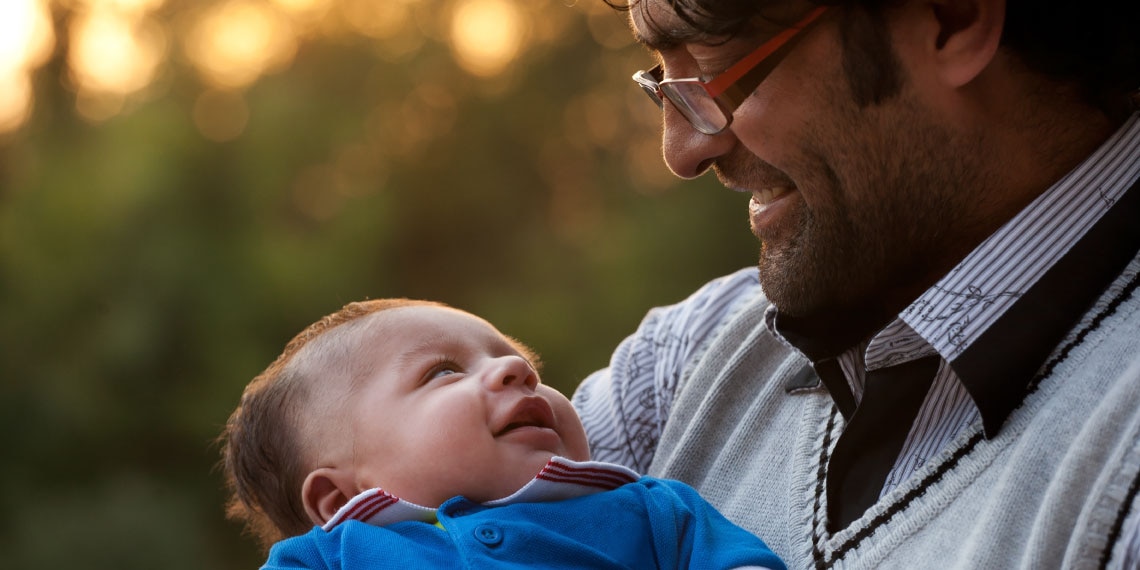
[(1053, 489)]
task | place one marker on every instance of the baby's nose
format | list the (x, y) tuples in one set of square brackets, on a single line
[(512, 371)]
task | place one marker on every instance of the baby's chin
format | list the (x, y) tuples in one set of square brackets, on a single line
[(507, 483), (501, 482)]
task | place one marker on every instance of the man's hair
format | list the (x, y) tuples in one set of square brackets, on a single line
[(261, 447), (1092, 44)]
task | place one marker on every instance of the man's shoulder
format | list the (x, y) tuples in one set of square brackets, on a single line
[(741, 284), (712, 304)]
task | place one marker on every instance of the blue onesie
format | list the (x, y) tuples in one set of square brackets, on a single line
[(572, 515)]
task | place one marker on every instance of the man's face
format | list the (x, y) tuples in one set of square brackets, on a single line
[(450, 408), (850, 202)]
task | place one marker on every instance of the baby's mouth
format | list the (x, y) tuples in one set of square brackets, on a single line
[(529, 412)]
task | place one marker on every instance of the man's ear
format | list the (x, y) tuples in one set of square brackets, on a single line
[(967, 35), (324, 492)]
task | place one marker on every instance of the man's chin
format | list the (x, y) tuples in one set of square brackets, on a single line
[(796, 292), (780, 278)]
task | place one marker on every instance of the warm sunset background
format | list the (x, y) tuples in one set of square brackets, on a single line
[(184, 184)]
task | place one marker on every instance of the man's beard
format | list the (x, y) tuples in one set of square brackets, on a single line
[(880, 233)]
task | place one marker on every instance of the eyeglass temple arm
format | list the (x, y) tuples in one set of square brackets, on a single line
[(781, 42)]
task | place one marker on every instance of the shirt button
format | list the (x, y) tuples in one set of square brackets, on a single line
[(488, 534)]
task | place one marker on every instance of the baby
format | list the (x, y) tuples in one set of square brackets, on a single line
[(407, 434)]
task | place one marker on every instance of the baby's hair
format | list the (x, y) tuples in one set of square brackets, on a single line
[(261, 451)]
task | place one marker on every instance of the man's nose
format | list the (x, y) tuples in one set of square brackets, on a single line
[(689, 152), (511, 371)]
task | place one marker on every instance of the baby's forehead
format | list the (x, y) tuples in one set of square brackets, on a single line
[(430, 329), (430, 325), (427, 319)]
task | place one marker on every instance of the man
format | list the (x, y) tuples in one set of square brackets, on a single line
[(937, 362)]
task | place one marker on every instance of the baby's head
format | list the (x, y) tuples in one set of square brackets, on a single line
[(423, 400)]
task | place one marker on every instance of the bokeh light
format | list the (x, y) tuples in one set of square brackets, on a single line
[(234, 43), (26, 41), (121, 6), (116, 49), (304, 6), (486, 35), (376, 19), (26, 37), (114, 53), (15, 99)]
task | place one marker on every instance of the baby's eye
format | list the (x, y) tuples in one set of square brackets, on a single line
[(444, 372), (446, 368)]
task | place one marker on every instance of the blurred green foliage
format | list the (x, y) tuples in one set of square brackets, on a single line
[(147, 273)]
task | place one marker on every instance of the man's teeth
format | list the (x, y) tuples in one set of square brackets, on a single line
[(768, 195)]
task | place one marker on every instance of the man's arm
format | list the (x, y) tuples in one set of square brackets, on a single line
[(624, 406)]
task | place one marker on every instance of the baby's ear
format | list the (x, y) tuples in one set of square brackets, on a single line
[(324, 492)]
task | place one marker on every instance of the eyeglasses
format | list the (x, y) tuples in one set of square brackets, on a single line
[(709, 105)]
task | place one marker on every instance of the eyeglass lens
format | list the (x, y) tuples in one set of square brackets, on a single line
[(694, 103)]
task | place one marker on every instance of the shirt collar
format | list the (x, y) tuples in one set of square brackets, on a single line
[(559, 480), (996, 315), (957, 310)]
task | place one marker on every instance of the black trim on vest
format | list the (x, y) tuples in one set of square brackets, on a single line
[(1118, 524)]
